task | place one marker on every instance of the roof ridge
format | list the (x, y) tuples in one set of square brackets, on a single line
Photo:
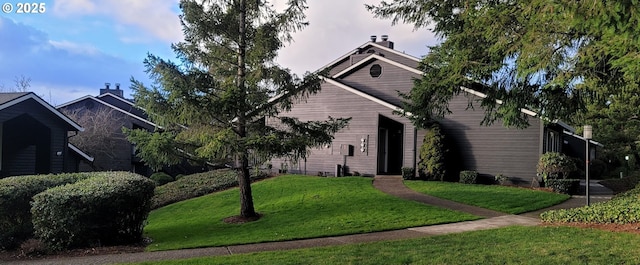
[(110, 106)]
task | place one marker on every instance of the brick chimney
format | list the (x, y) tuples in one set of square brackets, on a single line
[(384, 41), (118, 92)]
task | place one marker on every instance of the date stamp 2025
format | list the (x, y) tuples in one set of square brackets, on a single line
[(24, 8)]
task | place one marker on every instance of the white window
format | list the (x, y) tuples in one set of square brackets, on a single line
[(553, 141)]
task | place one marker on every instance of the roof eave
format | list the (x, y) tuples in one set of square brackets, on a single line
[(48, 106), (80, 152)]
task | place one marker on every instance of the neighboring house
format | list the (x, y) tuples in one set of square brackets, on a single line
[(364, 84), (34, 137), (114, 152)]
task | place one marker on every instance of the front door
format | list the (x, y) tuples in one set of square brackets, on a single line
[(390, 146)]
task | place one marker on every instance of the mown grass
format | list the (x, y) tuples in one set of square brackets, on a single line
[(505, 199), (511, 245), (293, 207)]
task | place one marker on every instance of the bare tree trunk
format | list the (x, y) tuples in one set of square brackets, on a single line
[(244, 178), (246, 198)]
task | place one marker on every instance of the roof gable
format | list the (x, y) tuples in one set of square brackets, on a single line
[(10, 99), (109, 106), (366, 46), (374, 57), (123, 104), (6, 97), (368, 59)]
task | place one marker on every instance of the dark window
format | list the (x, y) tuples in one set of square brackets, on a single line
[(376, 70)]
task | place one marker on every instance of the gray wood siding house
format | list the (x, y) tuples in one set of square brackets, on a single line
[(492, 149), (34, 137), (122, 155), (364, 84)]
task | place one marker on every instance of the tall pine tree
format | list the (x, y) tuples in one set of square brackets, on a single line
[(617, 119), (219, 103)]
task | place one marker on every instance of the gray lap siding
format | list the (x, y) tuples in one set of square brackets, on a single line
[(487, 149), (385, 87), (336, 102), (491, 149)]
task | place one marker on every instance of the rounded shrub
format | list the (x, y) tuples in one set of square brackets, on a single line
[(108, 209), (553, 165), (501, 179), (432, 153), (468, 176), (408, 173), (15, 204), (161, 178)]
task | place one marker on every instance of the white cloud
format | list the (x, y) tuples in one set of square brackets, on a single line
[(74, 7), (62, 70), (56, 94), (75, 47), (338, 26), (157, 19)]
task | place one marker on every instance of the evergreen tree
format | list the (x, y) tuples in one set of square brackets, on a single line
[(548, 56), (616, 123), (432, 154), (222, 100)]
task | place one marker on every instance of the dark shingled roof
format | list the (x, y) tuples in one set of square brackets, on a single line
[(6, 97)]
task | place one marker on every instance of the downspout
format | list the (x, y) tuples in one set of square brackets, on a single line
[(541, 139), (415, 147)]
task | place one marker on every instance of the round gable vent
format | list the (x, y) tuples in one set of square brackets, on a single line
[(375, 70)]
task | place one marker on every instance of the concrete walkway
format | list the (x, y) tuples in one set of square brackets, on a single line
[(393, 185), (389, 184)]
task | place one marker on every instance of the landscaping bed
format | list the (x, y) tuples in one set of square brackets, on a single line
[(618, 185)]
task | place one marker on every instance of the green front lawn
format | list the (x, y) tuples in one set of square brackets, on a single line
[(511, 245), (499, 198), (293, 207)]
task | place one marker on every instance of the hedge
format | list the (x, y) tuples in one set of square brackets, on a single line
[(468, 176), (161, 178), (621, 209), (194, 185), (15, 209), (564, 186), (109, 208)]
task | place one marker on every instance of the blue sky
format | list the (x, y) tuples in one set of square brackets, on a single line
[(76, 46)]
